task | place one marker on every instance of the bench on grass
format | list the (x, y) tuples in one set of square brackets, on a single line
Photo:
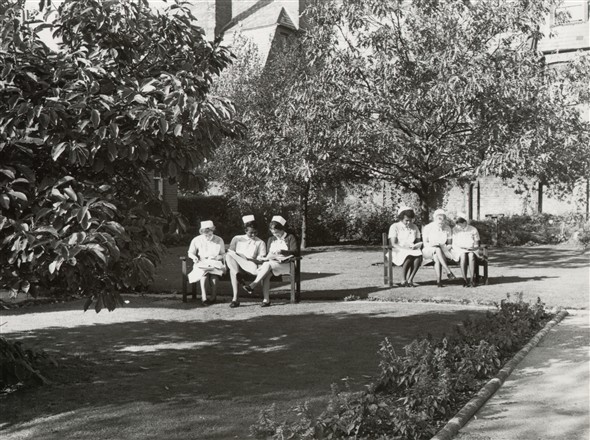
[(388, 265), (294, 277)]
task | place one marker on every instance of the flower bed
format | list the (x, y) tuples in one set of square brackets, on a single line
[(418, 391)]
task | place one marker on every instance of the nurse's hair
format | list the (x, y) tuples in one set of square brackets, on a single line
[(407, 213), (250, 225), (276, 225)]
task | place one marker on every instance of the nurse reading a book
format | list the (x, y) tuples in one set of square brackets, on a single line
[(282, 246), (243, 256), (207, 251)]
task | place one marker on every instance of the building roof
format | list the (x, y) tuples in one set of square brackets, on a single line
[(261, 14)]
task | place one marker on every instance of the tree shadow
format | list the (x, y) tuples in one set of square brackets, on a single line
[(253, 360), (538, 257)]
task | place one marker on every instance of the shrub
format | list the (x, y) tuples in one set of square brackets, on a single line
[(582, 235), (518, 230), (418, 391), (226, 217)]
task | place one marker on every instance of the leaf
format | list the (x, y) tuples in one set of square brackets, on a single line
[(47, 229), (114, 129), (177, 129), (57, 150), (163, 126), (8, 173), (82, 213), (88, 302), (71, 193), (19, 195), (95, 118), (4, 201)]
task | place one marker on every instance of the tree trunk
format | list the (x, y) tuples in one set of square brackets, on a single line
[(424, 210), (304, 205)]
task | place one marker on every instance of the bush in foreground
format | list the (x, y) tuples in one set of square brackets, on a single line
[(418, 391)]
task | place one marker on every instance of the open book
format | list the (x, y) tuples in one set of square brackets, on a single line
[(277, 257)]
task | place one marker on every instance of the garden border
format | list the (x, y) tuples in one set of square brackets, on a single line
[(460, 419)]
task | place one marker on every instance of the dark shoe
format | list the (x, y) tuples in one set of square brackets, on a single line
[(451, 276), (234, 304), (265, 304), (248, 288), (465, 283), (404, 284), (439, 284), (207, 302)]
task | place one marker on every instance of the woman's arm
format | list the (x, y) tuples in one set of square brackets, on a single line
[(293, 249), (193, 250)]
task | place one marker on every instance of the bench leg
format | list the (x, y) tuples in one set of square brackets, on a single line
[(194, 291), (184, 281), (485, 272), (390, 268)]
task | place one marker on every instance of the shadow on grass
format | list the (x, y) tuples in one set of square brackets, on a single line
[(252, 361), (539, 257)]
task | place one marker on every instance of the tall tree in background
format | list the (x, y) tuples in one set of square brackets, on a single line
[(431, 92), (83, 129), (287, 155)]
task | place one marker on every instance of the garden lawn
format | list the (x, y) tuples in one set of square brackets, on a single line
[(162, 369)]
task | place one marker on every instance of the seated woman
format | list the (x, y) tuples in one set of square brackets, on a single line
[(404, 237), (465, 245), (244, 255), (281, 247), (437, 239), (207, 252)]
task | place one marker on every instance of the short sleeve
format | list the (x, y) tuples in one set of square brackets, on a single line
[(392, 231), (233, 243), (261, 249)]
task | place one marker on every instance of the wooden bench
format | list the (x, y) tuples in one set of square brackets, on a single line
[(388, 266), (294, 277)]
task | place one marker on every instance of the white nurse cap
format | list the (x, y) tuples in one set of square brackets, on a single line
[(207, 224), (247, 219), (279, 219)]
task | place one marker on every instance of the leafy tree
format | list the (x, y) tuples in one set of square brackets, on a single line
[(286, 156), (433, 92), (82, 130)]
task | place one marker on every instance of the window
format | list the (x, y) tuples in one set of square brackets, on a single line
[(570, 11)]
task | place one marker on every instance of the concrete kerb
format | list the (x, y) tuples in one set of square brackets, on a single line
[(468, 411)]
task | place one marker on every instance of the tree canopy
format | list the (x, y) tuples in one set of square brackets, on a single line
[(433, 92), (286, 156), (126, 96)]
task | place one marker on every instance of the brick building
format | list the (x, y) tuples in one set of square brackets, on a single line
[(490, 195)]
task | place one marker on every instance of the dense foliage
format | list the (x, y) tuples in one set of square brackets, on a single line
[(84, 127), (430, 92), (419, 390)]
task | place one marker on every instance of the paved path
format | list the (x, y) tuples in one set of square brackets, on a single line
[(547, 396)]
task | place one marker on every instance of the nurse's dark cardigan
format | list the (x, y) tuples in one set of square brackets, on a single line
[(291, 244)]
